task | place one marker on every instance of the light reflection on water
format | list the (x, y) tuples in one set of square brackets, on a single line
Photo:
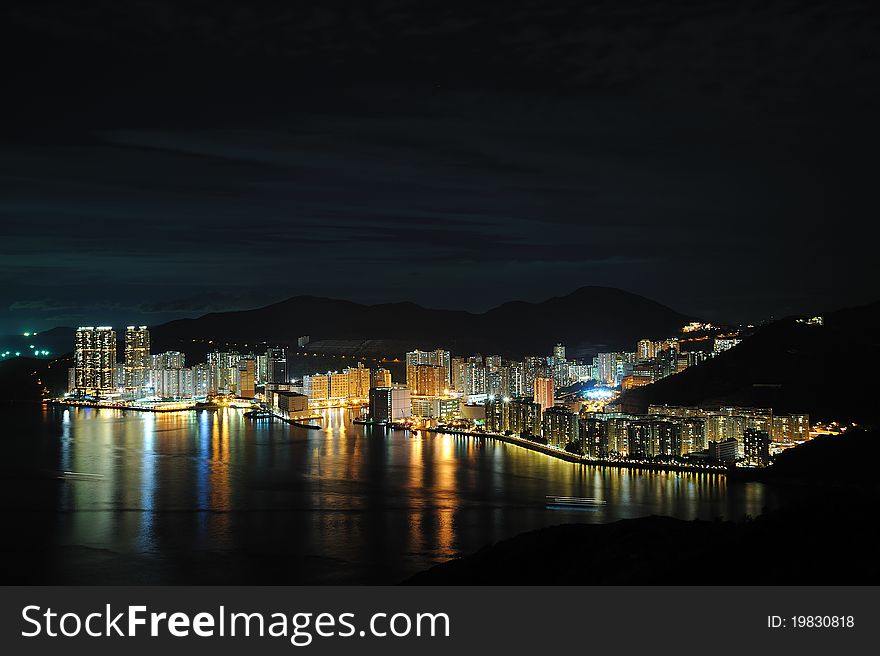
[(211, 497)]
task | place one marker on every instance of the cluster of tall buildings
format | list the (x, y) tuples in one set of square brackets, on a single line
[(349, 385), (724, 434), (476, 375), (653, 360), (506, 396), (141, 373)]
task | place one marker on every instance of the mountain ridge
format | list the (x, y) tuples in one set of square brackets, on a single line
[(588, 316)]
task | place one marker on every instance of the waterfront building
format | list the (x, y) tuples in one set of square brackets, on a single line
[(95, 360), (594, 437), (435, 407), (640, 439), (137, 357), (201, 379), (119, 375), (518, 416), (693, 434), (317, 387), (724, 450), (289, 405), (559, 426), (339, 387), (390, 404), (618, 426), (666, 438), (756, 447)]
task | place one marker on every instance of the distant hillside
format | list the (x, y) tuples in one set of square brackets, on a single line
[(24, 379), (828, 371), (57, 341), (587, 320)]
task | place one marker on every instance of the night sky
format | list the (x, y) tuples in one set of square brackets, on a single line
[(165, 159)]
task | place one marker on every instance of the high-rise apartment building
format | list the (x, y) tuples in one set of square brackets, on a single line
[(559, 354), (545, 391), (438, 358), (137, 357), (95, 359), (380, 378), (426, 379), (756, 447), (247, 374), (276, 365), (645, 350), (560, 426)]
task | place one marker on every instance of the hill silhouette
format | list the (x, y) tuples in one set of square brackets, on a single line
[(587, 320), (827, 371)]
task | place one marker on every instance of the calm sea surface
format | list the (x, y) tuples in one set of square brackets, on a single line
[(212, 497)]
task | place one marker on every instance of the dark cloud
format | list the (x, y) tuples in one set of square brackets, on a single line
[(716, 157)]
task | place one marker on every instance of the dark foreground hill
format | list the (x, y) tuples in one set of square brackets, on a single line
[(827, 371), (27, 379), (825, 535), (587, 320)]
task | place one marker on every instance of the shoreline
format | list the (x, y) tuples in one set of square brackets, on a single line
[(544, 449), (584, 460)]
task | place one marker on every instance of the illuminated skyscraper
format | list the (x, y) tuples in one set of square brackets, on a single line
[(95, 359), (559, 353), (560, 426), (756, 447), (359, 381), (276, 365), (247, 368), (437, 357), (544, 392), (380, 378), (137, 356), (426, 379), (646, 350)]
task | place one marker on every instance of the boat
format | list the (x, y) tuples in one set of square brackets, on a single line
[(573, 503), (369, 422), (305, 425)]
